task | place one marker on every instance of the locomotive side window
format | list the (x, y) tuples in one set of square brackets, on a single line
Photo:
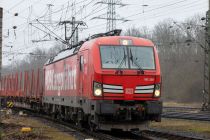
[(81, 63)]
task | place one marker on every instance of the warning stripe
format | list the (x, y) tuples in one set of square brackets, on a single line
[(10, 104)]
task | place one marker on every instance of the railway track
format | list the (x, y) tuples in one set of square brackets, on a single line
[(159, 135), (84, 133), (186, 113)]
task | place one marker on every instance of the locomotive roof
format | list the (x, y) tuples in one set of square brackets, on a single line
[(101, 40), (62, 54), (74, 49)]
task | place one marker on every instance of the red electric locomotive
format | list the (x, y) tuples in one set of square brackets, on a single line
[(107, 82), (111, 82)]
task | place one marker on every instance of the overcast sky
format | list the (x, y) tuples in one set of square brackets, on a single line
[(29, 10)]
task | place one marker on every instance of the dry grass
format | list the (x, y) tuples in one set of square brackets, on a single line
[(175, 104), (40, 131), (197, 127)]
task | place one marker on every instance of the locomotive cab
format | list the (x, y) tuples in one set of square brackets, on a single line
[(126, 85)]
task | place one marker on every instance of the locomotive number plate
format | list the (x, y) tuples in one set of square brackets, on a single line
[(128, 91)]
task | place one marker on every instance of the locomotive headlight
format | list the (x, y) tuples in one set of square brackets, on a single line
[(98, 92), (157, 90), (157, 93), (97, 87)]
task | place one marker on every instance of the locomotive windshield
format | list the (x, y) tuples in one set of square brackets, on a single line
[(132, 57)]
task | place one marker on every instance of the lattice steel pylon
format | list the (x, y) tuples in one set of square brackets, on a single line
[(111, 17), (50, 13)]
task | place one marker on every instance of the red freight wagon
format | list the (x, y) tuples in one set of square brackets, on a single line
[(26, 86)]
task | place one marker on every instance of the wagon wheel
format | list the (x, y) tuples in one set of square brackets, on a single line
[(92, 126), (59, 117), (79, 124), (54, 115)]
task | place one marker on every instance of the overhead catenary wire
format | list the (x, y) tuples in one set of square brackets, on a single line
[(54, 35), (36, 2), (92, 13), (43, 23), (30, 53), (63, 41), (41, 16), (82, 7)]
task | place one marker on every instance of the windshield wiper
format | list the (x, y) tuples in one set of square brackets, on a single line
[(121, 63), (140, 70)]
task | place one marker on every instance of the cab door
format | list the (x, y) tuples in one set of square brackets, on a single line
[(83, 73)]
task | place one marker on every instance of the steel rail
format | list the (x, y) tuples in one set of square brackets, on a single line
[(185, 113), (154, 134)]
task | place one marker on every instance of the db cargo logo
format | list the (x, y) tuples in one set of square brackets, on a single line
[(128, 91), (61, 80)]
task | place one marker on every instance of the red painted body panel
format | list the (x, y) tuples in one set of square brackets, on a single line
[(58, 85)]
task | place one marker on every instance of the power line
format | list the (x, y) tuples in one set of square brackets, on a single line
[(17, 4), (170, 10), (175, 3), (91, 13), (83, 7), (167, 5), (152, 16), (63, 8), (66, 11)]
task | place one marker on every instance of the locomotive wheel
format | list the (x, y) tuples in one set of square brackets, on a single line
[(91, 125)]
